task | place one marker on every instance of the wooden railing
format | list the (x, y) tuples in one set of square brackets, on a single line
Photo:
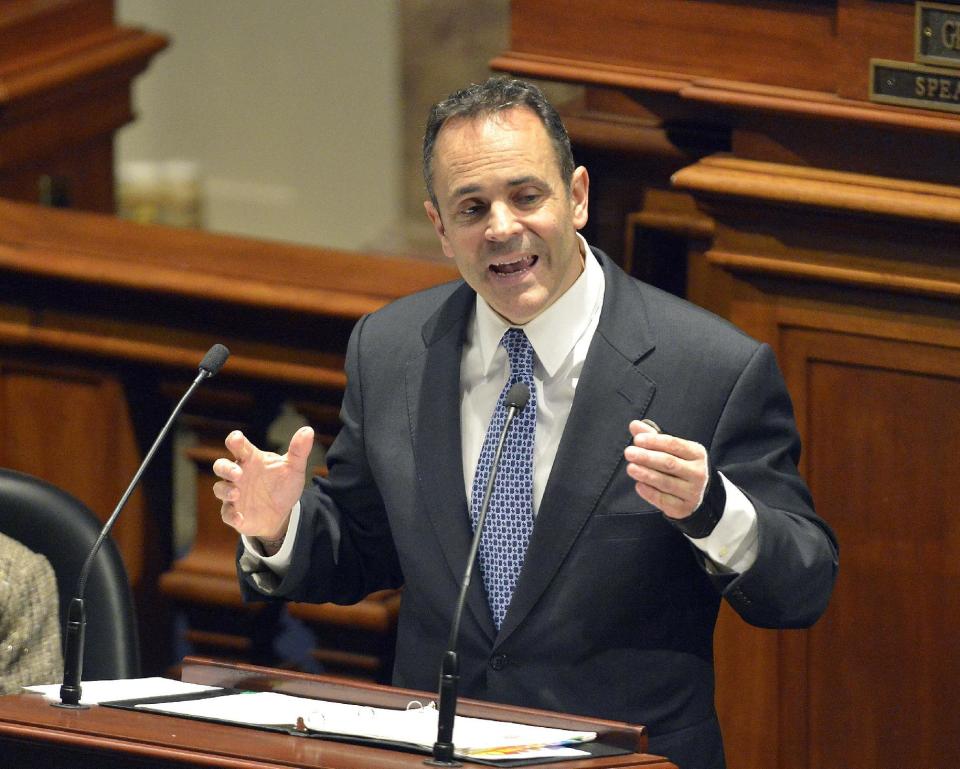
[(102, 324)]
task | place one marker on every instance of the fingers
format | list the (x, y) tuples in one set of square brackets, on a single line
[(239, 446), (664, 471), (258, 488), (301, 445), (647, 438), (670, 472), (229, 471), (231, 517), (226, 491), (670, 493), (638, 426), (667, 465), (670, 505)]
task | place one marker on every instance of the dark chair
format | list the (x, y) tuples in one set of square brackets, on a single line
[(49, 521)]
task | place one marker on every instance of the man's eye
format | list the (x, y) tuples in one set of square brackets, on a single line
[(529, 199), (470, 211)]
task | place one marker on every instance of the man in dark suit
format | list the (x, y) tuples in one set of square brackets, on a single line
[(630, 535)]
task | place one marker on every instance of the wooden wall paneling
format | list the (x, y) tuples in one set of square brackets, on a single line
[(356, 641), (772, 42), (853, 279), (117, 316), (830, 227), (60, 416), (318, 283), (749, 690), (831, 231), (661, 235), (74, 427), (66, 71), (732, 63), (31, 26), (630, 154), (868, 29), (882, 684), (208, 548)]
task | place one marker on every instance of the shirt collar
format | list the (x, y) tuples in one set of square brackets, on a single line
[(555, 331)]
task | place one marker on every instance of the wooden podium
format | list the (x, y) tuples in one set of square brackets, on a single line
[(35, 734)]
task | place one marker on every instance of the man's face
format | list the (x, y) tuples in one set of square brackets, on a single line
[(503, 213)]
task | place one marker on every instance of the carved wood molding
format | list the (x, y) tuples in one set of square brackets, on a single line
[(729, 177), (117, 270), (104, 250), (848, 276), (80, 59), (176, 289), (840, 230), (125, 348), (589, 72), (718, 94), (65, 74)]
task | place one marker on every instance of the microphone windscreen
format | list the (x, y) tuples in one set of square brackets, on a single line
[(214, 359), (517, 396)]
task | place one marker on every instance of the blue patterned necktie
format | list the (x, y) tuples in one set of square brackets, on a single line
[(509, 522)]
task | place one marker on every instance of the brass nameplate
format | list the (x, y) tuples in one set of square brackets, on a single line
[(911, 85), (938, 34)]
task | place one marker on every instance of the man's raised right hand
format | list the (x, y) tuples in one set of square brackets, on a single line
[(259, 488)]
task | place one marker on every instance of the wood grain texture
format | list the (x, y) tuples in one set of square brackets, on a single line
[(895, 596), (827, 226), (102, 324), (32, 732), (853, 281), (66, 72), (806, 60)]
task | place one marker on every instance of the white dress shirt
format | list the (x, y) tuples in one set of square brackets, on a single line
[(560, 336)]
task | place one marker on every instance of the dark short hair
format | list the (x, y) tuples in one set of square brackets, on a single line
[(497, 94)]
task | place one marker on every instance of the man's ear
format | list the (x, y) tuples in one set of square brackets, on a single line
[(434, 216), (580, 196)]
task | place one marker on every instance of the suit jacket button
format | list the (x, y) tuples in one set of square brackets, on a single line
[(498, 661)]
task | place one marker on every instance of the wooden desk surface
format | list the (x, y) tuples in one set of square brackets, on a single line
[(35, 734)]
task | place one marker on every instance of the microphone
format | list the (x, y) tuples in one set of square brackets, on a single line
[(71, 689), (515, 401)]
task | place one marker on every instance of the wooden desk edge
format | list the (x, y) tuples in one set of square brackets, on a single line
[(242, 676)]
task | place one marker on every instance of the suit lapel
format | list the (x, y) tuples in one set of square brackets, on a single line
[(610, 393), (433, 403)]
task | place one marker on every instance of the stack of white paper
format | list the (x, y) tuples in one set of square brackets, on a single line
[(416, 726)]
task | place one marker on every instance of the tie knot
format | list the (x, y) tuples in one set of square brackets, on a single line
[(519, 351)]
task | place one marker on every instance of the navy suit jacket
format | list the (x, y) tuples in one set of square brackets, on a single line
[(614, 611)]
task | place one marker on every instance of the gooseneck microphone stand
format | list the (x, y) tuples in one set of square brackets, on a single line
[(71, 689), (443, 748)]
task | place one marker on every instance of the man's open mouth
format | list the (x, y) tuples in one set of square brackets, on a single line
[(509, 268)]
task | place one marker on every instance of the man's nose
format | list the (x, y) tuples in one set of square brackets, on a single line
[(502, 224)]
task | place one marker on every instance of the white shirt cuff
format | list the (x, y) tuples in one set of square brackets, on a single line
[(732, 545)]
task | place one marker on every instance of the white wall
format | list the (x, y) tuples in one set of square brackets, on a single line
[(290, 107)]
